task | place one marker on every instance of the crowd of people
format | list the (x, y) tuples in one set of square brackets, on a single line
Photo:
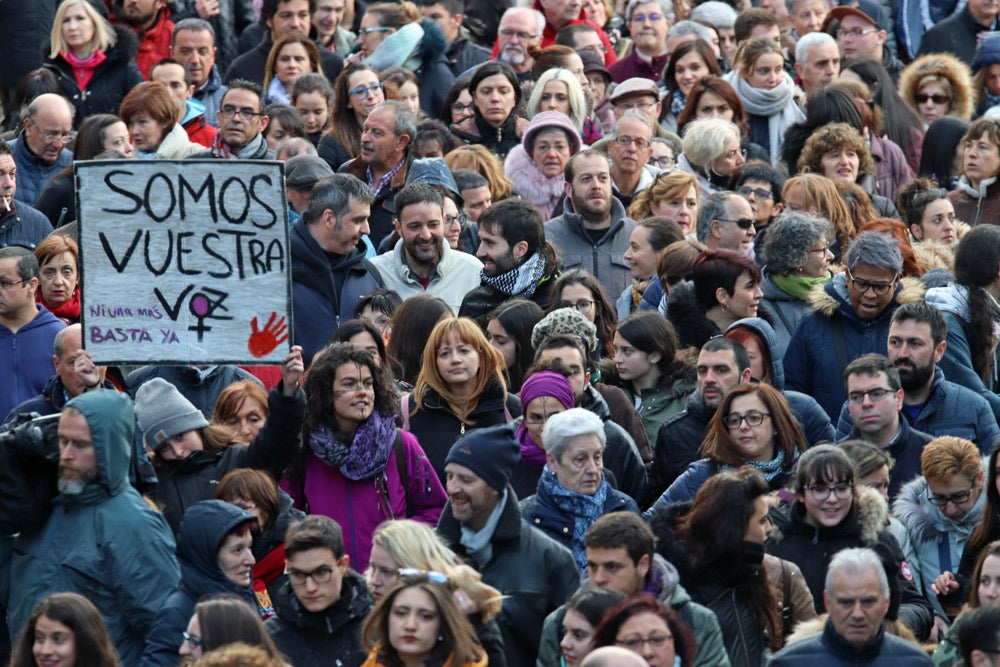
[(654, 332)]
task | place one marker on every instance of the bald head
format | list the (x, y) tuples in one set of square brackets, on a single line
[(613, 656), (49, 115)]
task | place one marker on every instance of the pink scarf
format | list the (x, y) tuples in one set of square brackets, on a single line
[(83, 70)]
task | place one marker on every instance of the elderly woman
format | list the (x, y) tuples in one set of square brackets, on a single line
[(796, 258), (712, 152), (496, 94), (572, 491), (150, 113), (543, 395), (536, 167), (936, 85), (675, 195), (977, 197)]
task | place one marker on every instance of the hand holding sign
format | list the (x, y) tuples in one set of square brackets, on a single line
[(263, 341)]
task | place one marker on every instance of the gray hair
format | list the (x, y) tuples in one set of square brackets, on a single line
[(855, 562), (808, 41), (60, 339), (666, 7), (673, 141), (27, 263), (292, 146), (790, 238), (715, 206), (719, 14), (538, 16), (335, 193), (874, 249), (566, 426), (708, 139), (684, 28), (194, 25), (632, 115), (406, 122)]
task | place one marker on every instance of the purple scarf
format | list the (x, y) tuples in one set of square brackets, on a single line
[(367, 454), (531, 453)]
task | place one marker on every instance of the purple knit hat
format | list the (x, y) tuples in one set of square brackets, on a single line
[(546, 120), (547, 383)]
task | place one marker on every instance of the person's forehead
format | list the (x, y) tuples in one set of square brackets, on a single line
[(8, 265), (910, 329), (53, 112), (518, 21), (295, 6), (636, 98), (168, 72), (568, 354), (823, 51), (861, 381), (717, 358), (381, 118), (241, 97), (737, 206), (756, 183), (195, 37), (608, 554), (633, 127), (421, 210), (590, 165)]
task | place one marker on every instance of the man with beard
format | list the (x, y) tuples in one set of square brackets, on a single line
[(594, 229), (482, 524), (931, 403), (875, 403), (150, 20), (517, 260), (421, 262), (102, 540), (519, 28)]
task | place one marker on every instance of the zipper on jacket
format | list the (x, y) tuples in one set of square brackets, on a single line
[(979, 210)]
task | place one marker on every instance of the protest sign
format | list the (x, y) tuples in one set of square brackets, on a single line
[(184, 262)]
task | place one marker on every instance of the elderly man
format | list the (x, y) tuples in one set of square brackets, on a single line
[(850, 318), (302, 172), (40, 150), (519, 28), (241, 125), (594, 229), (726, 222), (648, 21), (857, 595), (817, 61), (482, 523), (385, 150), (629, 149)]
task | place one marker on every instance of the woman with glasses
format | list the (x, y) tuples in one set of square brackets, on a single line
[(222, 621), (67, 630), (832, 512), (496, 95), (754, 426), (403, 546), (460, 387), (94, 63), (713, 152), (356, 92), (645, 626), (292, 55), (688, 64), (357, 468), (797, 258), (937, 85), (578, 289), (724, 288), (150, 113), (536, 167), (457, 103), (419, 622), (215, 554)]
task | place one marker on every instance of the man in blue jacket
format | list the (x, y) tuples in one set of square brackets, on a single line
[(101, 540)]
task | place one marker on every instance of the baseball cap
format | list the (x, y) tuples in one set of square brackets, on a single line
[(869, 10)]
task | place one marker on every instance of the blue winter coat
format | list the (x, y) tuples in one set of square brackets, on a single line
[(24, 226), (26, 358), (105, 543), (32, 173), (832, 650), (203, 529), (686, 486), (813, 365)]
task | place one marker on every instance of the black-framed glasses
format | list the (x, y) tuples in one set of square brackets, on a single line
[(583, 305), (635, 644), (437, 577), (858, 397), (936, 98), (246, 113), (864, 285), (759, 193), (663, 162), (458, 107), (822, 491), (752, 418), (742, 223), (455, 220), (193, 640), (8, 284), (954, 498), (320, 575), (363, 91)]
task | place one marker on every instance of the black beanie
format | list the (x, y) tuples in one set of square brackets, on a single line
[(490, 452)]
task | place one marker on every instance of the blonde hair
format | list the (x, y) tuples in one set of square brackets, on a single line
[(104, 35), (491, 365), (477, 158), (574, 93), (672, 185), (821, 194)]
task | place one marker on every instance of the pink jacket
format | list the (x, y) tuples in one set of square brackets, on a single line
[(359, 507)]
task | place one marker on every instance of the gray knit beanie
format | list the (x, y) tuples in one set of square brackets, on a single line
[(163, 412)]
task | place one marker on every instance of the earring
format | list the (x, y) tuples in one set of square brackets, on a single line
[(440, 638)]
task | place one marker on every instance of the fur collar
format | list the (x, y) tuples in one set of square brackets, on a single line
[(924, 522), (832, 297), (529, 181), (871, 518)]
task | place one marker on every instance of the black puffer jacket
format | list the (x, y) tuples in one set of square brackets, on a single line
[(112, 80), (329, 637), (678, 442)]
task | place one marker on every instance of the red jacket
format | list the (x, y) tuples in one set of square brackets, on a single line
[(200, 132), (154, 44)]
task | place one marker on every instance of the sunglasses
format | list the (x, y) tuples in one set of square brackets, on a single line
[(742, 223), (935, 98)]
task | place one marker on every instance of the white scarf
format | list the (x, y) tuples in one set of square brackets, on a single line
[(777, 105)]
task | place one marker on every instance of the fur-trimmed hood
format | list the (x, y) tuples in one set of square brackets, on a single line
[(871, 517), (529, 181), (925, 522), (832, 297), (814, 626), (946, 66)]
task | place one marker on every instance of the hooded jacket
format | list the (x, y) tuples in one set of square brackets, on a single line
[(196, 124), (121, 555), (26, 358), (533, 571), (328, 637), (111, 82), (977, 206), (944, 65), (950, 409), (953, 302), (605, 259), (832, 335), (325, 294), (937, 540), (203, 530), (795, 539)]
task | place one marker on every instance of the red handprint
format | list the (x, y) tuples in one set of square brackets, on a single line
[(263, 341)]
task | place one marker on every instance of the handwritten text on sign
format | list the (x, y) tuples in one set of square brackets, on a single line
[(184, 261)]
